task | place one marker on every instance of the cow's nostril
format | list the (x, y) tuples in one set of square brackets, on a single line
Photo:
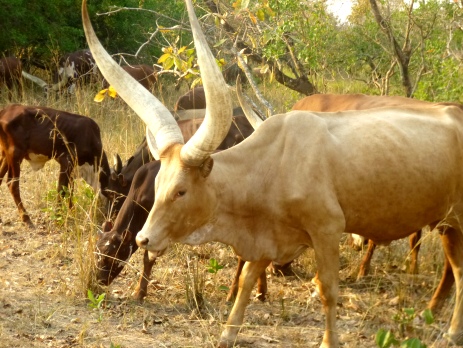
[(142, 242)]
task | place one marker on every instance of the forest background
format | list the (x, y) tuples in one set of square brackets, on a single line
[(409, 48)]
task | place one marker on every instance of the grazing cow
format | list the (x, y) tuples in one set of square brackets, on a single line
[(144, 74), (73, 68), (10, 74), (193, 99), (118, 242), (300, 180), (38, 134)]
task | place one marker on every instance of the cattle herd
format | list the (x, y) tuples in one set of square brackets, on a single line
[(379, 168)]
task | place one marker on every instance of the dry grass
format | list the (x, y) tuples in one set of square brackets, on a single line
[(44, 273)]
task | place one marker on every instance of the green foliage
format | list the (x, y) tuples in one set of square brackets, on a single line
[(214, 266), (96, 303), (386, 338)]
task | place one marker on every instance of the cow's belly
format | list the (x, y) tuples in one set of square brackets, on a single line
[(37, 161)]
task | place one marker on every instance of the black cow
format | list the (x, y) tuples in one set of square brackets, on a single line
[(38, 134), (10, 75), (73, 68)]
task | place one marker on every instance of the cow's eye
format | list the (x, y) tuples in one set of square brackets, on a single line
[(179, 194)]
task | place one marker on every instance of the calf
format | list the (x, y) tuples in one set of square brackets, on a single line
[(38, 134), (10, 74)]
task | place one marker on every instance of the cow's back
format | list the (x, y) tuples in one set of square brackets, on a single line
[(341, 102), (369, 164)]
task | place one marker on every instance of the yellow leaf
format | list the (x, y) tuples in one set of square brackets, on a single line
[(253, 18), (164, 58), (167, 49), (181, 49), (99, 97), (112, 92)]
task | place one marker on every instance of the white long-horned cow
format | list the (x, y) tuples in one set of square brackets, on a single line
[(305, 178)]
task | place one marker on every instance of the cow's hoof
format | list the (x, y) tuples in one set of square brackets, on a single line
[(224, 344), (139, 295)]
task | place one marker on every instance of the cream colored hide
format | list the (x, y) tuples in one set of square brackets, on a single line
[(299, 181), (328, 102)]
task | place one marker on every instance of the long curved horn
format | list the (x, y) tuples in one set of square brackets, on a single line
[(252, 117), (34, 79), (219, 108), (155, 115)]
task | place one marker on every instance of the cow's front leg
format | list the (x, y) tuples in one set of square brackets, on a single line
[(452, 240), (142, 288), (326, 249), (251, 271)]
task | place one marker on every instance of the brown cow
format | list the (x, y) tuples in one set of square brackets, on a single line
[(10, 75), (143, 73), (301, 180), (193, 99), (118, 242), (38, 134)]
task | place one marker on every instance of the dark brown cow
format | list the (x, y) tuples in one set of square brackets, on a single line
[(117, 243), (38, 134), (73, 68), (193, 99), (10, 74), (143, 73)]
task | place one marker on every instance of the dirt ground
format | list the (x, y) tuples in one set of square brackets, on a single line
[(43, 297)]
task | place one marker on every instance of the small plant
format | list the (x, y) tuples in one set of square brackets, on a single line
[(386, 338), (214, 268), (96, 302)]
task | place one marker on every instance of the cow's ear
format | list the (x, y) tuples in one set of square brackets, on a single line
[(126, 237), (122, 180), (206, 167)]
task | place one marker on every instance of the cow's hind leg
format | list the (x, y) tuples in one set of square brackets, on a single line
[(415, 244), (65, 178), (452, 240), (365, 265), (142, 288), (443, 290), (261, 283), (251, 271)]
